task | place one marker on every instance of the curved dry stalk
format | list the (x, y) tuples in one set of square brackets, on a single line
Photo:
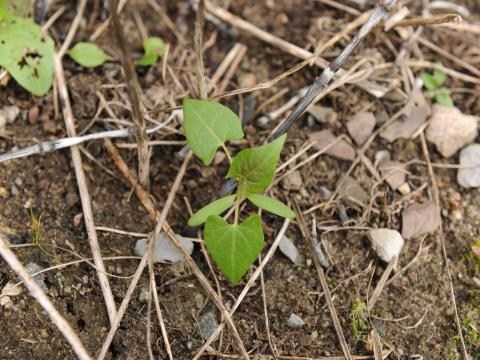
[(134, 95), (69, 120), (43, 300)]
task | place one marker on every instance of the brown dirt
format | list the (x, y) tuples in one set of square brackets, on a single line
[(47, 184)]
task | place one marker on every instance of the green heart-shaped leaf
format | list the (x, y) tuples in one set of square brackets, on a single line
[(26, 53), (214, 208), (254, 168), (207, 126), (154, 48), (234, 247), (88, 55), (271, 205)]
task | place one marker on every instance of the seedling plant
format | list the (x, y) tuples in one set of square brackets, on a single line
[(233, 246), (435, 89)]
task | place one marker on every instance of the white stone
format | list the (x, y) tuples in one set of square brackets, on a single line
[(290, 250), (165, 251), (387, 243), (468, 175), (295, 321)]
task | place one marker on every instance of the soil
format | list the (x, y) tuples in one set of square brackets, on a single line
[(414, 315)]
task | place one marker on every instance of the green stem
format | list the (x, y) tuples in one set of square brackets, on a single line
[(229, 156)]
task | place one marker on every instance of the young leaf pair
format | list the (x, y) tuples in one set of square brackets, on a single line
[(435, 89), (90, 55), (234, 247)]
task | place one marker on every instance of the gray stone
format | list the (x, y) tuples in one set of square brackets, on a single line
[(338, 148), (361, 126), (419, 219), (207, 325), (450, 129), (405, 128), (39, 279), (290, 250), (295, 321), (351, 190), (165, 251), (469, 175), (394, 173)]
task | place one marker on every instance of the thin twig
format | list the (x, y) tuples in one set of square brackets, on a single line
[(372, 300), (444, 249), (77, 163), (43, 300), (134, 95), (431, 20), (131, 288), (377, 345), (198, 44), (323, 282)]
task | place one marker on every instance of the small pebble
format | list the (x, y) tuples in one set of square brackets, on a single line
[(3, 192), (295, 321), (14, 190), (290, 250), (143, 296), (208, 324), (387, 243), (469, 175), (40, 278)]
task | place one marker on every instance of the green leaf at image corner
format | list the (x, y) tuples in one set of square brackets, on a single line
[(271, 205), (254, 168), (214, 208), (154, 48), (207, 126), (234, 248), (88, 55), (26, 53)]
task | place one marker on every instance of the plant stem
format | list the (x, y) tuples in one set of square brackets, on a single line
[(229, 156), (237, 208)]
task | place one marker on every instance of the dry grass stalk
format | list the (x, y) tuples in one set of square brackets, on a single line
[(444, 249), (77, 163), (134, 95)]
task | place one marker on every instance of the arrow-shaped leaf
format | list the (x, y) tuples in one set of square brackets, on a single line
[(255, 168), (234, 247), (207, 126), (271, 205), (214, 208)]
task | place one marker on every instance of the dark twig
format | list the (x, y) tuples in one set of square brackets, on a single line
[(133, 93)]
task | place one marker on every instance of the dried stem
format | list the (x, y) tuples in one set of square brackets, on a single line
[(43, 300), (198, 43), (133, 90), (79, 173)]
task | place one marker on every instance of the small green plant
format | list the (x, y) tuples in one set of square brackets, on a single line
[(88, 55), (435, 89), (359, 325), (36, 227), (234, 247), (26, 52), (154, 48)]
